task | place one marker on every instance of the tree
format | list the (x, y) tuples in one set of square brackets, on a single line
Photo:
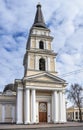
[(75, 94)]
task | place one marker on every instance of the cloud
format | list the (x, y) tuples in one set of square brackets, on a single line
[(65, 20)]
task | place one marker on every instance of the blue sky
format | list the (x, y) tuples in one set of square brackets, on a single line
[(65, 20)]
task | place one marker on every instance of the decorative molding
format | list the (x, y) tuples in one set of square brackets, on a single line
[(45, 88)]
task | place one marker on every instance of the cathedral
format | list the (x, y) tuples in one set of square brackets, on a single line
[(40, 95)]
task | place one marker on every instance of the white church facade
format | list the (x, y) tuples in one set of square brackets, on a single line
[(40, 95)]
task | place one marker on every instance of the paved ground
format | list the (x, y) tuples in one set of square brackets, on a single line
[(66, 126), (69, 128)]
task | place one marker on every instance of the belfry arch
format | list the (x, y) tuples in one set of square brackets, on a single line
[(42, 64), (41, 45)]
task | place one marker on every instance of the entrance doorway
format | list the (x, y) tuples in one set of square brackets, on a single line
[(42, 111)]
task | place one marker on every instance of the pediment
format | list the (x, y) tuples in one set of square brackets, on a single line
[(45, 77)]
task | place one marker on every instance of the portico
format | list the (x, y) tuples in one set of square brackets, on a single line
[(42, 100)]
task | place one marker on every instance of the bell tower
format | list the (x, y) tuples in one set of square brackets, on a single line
[(39, 56), (40, 94)]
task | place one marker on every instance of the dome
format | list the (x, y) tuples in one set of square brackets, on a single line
[(10, 87)]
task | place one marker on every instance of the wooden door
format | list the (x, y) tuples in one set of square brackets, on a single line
[(42, 112)]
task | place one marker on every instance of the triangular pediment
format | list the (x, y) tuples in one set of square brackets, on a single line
[(45, 77)]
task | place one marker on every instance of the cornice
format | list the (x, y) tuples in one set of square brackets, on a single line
[(39, 51), (41, 36)]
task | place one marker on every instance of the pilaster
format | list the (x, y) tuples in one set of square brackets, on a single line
[(3, 112), (48, 112), (36, 63), (13, 114), (28, 61), (48, 59)]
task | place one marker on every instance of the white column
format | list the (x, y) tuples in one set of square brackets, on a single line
[(60, 107), (19, 106), (33, 106), (55, 107), (3, 113), (64, 108), (27, 106), (48, 111)]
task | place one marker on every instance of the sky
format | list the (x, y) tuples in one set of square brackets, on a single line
[(65, 20)]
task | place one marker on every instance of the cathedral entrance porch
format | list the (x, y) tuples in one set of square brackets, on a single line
[(42, 106)]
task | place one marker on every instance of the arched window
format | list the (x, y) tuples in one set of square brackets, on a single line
[(42, 64), (41, 45)]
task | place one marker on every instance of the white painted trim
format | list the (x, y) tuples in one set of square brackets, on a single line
[(45, 88), (20, 88)]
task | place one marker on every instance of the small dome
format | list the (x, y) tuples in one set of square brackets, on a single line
[(10, 87)]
